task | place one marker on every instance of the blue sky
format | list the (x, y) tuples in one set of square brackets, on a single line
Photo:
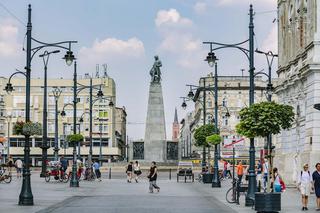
[(126, 34)]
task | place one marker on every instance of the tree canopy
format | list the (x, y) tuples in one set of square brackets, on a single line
[(214, 139), (264, 118), (202, 133)]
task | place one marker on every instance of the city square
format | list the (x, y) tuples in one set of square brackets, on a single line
[(172, 106)]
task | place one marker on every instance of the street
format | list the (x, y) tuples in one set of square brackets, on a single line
[(116, 195)]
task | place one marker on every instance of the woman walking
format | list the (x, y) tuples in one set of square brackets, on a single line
[(153, 178), (19, 166), (276, 181), (129, 172), (304, 185), (316, 181), (137, 171)]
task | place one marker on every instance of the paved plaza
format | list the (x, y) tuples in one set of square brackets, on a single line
[(118, 196)]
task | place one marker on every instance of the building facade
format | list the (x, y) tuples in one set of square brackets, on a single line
[(185, 138), (104, 129), (233, 95), (299, 85), (121, 131)]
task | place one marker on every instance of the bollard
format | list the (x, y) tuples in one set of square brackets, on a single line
[(110, 173), (170, 174)]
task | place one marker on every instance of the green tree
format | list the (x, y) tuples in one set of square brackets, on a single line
[(202, 133), (264, 118), (214, 139), (75, 138)]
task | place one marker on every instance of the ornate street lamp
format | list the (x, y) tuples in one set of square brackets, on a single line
[(26, 197), (250, 55), (45, 57), (56, 94)]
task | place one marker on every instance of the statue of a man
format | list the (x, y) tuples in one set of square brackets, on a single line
[(155, 71)]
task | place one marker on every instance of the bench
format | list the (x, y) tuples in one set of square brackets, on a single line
[(186, 173)]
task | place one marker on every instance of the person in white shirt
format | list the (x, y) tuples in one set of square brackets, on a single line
[(304, 185), (265, 174), (19, 166)]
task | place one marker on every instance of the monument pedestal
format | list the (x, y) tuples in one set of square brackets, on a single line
[(155, 133)]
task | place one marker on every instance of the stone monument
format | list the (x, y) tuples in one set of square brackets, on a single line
[(155, 133)]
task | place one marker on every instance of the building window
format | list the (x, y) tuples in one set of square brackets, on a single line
[(19, 100), (103, 113), (225, 120), (224, 102)]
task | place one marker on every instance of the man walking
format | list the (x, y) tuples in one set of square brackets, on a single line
[(96, 167)]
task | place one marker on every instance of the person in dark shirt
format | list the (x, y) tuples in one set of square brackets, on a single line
[(64, 164), (153, 178), (316, 182), (129, 172)]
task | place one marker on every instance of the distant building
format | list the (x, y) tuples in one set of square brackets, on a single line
[(175, 127), (113, 136), (185, 139), (233, 95)]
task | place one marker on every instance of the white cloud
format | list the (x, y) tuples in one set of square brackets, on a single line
[(112, 48), (271, 41), (8, 38), (200, 7), (177, 38), (171, 17)]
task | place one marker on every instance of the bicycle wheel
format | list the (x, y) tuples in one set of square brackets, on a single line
[(7, 179), (47, 177), (230, 197), (65, 178)]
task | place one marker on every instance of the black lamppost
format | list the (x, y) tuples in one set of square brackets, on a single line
[(192, 97), (56, 94), (45, 57), (26, 197), (92, 100), (250, 197), (211, 59), (270, 57), (76, 90)]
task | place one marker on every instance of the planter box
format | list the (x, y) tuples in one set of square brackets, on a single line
[(268, 202), (207, 178)]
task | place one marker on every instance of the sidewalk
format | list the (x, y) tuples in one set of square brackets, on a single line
[(290, 199)]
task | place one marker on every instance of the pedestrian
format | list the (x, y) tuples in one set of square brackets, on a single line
[(64, 164), (304, 185), (265, 174), (225, 163), (240, 171), (276, 180), (129, 172), (228, 172), (19, 166), (259, 174), (137, 171), (153, 178), (96, 167), (316, 182), (10, 163)]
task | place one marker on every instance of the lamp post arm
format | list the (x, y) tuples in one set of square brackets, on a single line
[(43, 45), (15, 73)]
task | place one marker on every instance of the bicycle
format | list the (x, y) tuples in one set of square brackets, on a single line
[(233, 194), (7, 178)]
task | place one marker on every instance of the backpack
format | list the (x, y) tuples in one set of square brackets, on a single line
[(302, 172)]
